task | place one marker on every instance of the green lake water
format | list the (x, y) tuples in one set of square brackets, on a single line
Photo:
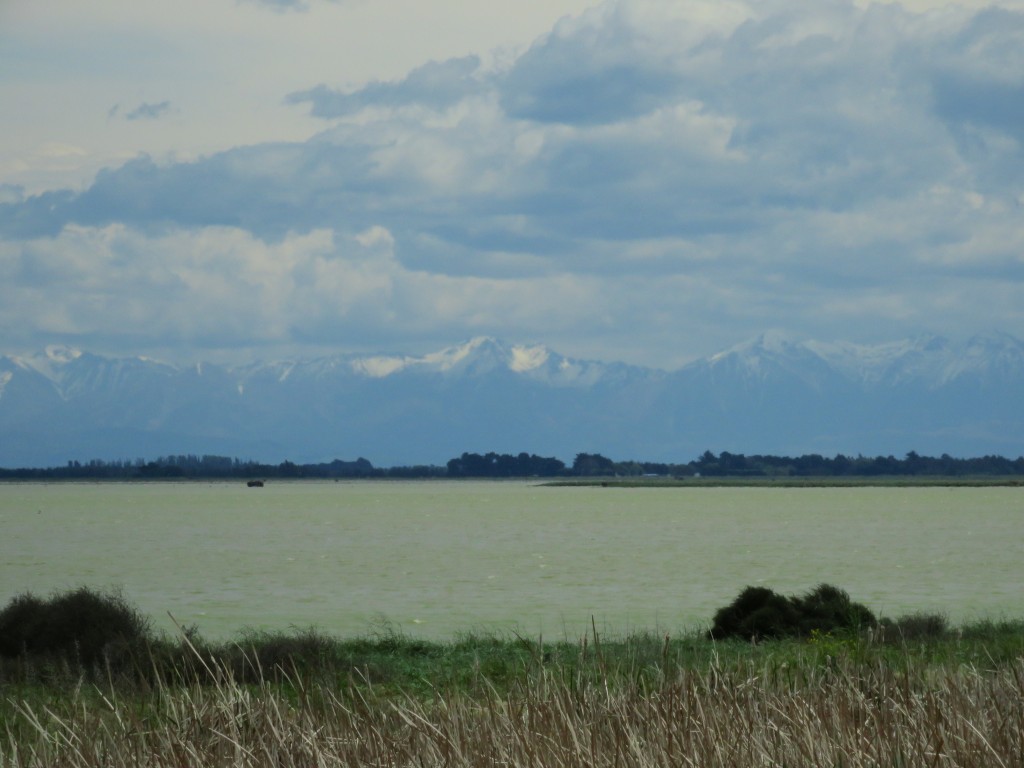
[(438, 558)]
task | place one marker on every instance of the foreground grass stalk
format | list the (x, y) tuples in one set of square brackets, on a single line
[(738, 713)]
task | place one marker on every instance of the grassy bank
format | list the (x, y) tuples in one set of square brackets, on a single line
[(788, 481), (913, 693)]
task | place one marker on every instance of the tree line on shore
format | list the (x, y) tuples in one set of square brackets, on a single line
[(495, 465)]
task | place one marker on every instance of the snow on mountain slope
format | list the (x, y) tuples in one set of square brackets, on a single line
[(480, 356), (74, 372), (770, 354), (933, 361)]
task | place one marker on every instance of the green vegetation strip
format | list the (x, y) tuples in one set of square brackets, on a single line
[(908, 692), (860, 481)]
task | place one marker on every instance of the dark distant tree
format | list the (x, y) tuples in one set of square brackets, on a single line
[(913, 464), (338, 468), (504, 465), (288, 469), (841, 465), (591, 464), (812, 464), (628, 468), (656, 468), (467, 465)]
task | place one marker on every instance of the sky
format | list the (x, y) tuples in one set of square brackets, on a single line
[(636, 180)]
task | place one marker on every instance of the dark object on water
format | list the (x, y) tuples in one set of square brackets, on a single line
[(255, 483)]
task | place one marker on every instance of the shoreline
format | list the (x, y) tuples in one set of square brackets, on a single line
[(724, 481), (879, 481)]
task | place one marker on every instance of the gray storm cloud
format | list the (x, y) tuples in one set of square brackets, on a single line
[(818, 167)]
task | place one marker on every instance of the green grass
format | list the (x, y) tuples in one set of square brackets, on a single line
[(475, 663), (298, 698), (910, 691), (779, 481), (84, 636)]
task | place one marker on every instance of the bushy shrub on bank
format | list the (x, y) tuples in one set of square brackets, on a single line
[(82, 625), (760, 613), (100, 638)]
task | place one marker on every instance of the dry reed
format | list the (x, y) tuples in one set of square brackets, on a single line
[(840, 713)]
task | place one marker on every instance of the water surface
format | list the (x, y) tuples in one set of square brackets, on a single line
[(436, 558)]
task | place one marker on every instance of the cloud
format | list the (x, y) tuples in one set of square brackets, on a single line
[(218, 287), (11, 193), (964, 102), (653, 171), (281, 5), (436, 85), (602, 69), (149, 111)]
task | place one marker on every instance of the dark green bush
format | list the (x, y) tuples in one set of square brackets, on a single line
[(757, 612), (761, 613), (21, 624), (81, 625), (827, 609)]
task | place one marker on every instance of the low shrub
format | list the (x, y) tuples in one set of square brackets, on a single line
[(82, 625), (915, 626), (760, 613), (260, 654)]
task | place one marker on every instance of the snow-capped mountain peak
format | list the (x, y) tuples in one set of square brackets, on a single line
[(59, 353), (481, 354), (50, 361), (770, 344), (478, 349), (769, 355), (378, 367), (528, 358)]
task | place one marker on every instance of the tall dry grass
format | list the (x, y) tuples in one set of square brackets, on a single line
[(841, 713)]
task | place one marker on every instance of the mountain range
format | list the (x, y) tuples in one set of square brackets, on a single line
[(770, 395)]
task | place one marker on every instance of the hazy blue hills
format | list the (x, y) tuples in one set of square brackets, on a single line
[(769, 395)]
